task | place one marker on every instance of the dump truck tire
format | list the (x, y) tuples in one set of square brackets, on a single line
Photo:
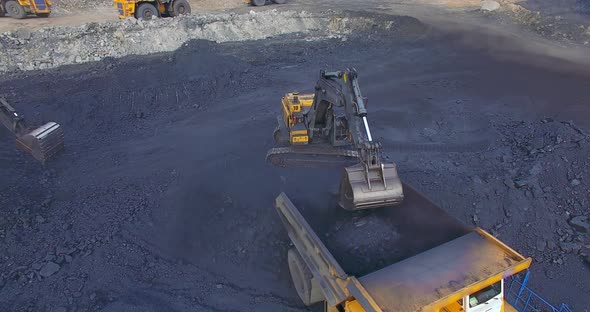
[(2, 14), (258, 2), (180, 7), (279, 1), (146, 11), (43, 15), (15, 10), (303, 279)]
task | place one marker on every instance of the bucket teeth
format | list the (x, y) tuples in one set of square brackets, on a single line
[(44, 142)]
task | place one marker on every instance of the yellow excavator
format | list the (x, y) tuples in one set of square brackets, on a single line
[(330, 127), (42, 142), (148, 9)]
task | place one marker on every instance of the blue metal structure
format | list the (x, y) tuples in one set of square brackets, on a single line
[(524, 299)]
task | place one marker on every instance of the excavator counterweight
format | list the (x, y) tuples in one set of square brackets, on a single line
[(330, 128)]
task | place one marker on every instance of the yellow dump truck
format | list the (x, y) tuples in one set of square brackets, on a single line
[(22, 8), (428, 262), (148, 9)]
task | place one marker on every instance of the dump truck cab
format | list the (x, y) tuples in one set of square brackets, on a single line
[(489, 299), (434, 264), (22, 8), (465, 274), (148, 9)]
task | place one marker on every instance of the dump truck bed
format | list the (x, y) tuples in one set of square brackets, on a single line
[(366, 241), (432, 276)]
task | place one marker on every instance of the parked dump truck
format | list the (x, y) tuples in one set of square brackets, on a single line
[(23, 8), (411, 257), (148, 9)]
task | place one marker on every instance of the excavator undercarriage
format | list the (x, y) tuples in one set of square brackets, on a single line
[(329, 128)]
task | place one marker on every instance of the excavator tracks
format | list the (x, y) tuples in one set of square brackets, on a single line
[(311, 157)]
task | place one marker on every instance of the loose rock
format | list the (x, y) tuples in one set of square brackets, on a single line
[(549, 274), (541, 245), (570, 247), (520, 183), (46, 202), (580, 224), (49, 269)]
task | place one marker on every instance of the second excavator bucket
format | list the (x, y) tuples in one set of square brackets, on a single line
[(362, 187), (43, 142)]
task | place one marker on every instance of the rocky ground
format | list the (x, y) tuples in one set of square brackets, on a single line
[(42, 49), (162, 200), (81, 31), (70, 6)]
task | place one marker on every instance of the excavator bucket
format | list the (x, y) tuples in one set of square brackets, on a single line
[(43, 142), (366, 188)]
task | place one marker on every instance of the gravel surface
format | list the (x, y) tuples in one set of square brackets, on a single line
[(366, 241), (162, 200)]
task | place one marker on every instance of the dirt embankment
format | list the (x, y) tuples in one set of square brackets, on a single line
[(48, 48)]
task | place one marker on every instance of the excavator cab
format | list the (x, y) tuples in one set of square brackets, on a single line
[(42, 142), (295, 106)]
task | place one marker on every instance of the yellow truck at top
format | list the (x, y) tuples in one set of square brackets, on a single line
[(148, 9), (430, 263), (23, 8)]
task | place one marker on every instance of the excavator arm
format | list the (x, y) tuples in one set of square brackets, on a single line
[(11, 119), (340, 107), (339, 111), (42, 143)]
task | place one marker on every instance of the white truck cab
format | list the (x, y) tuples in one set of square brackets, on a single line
[(489, 299)]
